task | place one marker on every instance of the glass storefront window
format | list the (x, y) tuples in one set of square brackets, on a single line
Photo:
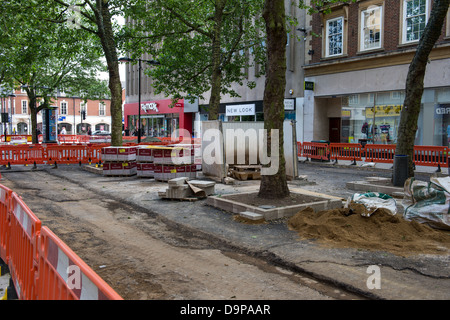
[(375, 117), (154, 125), (371, 117), (441, 112)]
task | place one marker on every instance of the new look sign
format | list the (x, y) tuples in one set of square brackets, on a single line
[(240, 110)]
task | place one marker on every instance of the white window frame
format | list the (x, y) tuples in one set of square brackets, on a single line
[(405, 24), (101, 109), (24, 105), (363, 27), (63, 112), (327, 36)]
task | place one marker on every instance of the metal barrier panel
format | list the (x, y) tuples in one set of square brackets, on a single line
[(430, 156), (5, 198), (64, 276), (346, 151), (383, 153), (25, 228)]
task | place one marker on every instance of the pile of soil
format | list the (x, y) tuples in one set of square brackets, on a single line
[(291, 200), (381, 231)]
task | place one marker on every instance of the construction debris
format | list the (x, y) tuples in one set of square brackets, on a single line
[(245, 172), (182, 188)]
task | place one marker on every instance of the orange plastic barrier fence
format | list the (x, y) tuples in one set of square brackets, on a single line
[(346, 151), (21, 154), (299, 149), (5, 198), (383, 153), (64, 276), (316, 150), (22, 260), (67, 153), (43, 267), (430, 156)]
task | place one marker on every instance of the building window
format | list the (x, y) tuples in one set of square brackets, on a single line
[(371, 28), (415, 15), (334, 37), (101, 109), (24, 106), (64, 107)]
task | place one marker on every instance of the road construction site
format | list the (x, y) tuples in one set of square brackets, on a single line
[(147, 247)]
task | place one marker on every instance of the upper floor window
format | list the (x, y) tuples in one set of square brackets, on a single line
[(334, 37), (371, 28), (24, 106), (415, 16), (63, 107), (101, 109)]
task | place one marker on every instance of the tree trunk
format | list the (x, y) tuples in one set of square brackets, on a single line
[(33, 118), (275, 186), (216, 76), (415, 83), (106, 35)]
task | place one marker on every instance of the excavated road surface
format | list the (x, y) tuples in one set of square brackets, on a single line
[(142, 257)]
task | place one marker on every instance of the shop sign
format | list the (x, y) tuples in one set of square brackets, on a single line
[(345, 113), (289, 104), (442, 109), (152, 106), (240, 110), (309, 85), (384, 111)]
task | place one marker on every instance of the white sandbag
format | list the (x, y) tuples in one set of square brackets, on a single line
[(428, 202), (374, 200)]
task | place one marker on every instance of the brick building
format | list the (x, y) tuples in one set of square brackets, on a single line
[(97, 113), (359, 57)]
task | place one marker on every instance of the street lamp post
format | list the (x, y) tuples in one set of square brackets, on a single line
[(152, 62)]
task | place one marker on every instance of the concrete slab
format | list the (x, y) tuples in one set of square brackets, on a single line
[(367, 186), (318, 204), (251, 215)]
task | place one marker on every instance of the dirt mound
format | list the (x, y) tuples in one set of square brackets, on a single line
[(381, 231)]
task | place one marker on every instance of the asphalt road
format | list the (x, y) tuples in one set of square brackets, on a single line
[(417, 277)]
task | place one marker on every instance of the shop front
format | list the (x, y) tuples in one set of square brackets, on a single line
[(158, 118), (374, 118)]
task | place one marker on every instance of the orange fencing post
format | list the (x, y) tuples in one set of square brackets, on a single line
[(383, 153), (5, 198), (24, 233), (64, 276)]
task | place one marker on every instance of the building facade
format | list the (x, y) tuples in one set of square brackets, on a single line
[(357, 70), (247, 107), (75, 115)]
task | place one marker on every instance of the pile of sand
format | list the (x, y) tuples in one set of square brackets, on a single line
[(380, 231)]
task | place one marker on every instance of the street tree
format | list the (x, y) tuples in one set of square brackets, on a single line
[(275, 186), (43, 57), (203, 46), (97, 18), (415, 83)]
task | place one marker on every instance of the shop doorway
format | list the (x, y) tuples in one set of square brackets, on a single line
[(334, 134)]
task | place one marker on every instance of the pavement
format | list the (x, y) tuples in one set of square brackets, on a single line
[(373, 274)]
